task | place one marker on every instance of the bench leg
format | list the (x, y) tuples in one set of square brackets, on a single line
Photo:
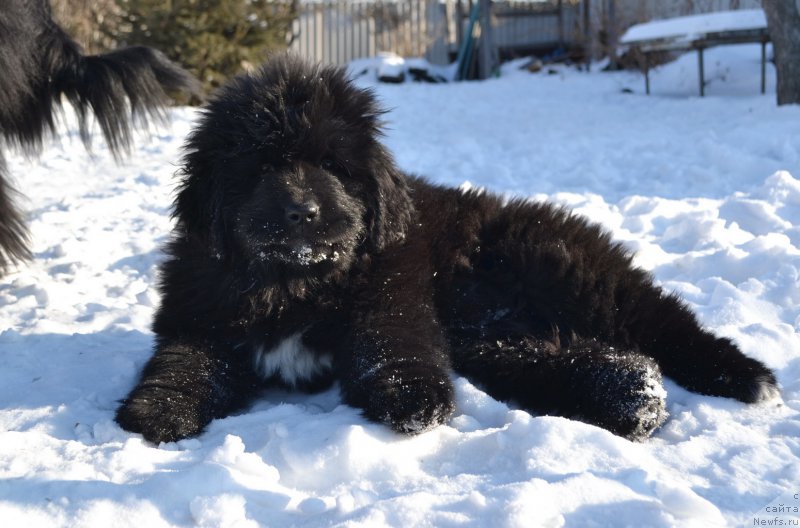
[(701, 72), (763, 67)]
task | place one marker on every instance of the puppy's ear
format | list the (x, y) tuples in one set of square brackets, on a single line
[(198, 204), (391, 206)]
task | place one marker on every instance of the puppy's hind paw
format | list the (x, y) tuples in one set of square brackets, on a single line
[(748, 380), (763, 388), (719, 368)]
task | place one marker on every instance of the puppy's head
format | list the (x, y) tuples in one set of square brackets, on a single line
[(285, 168)]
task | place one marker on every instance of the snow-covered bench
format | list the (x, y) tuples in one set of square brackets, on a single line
[(698, 32)]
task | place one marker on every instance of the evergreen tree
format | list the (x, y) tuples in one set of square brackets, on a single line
[(214, 39)]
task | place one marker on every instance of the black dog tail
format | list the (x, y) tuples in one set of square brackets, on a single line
[(41, 67), (120, 89), (13, 234)]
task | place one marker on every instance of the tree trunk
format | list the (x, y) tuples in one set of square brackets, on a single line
[(783, 19)]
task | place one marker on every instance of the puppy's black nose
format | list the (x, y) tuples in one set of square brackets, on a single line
[(304, 213)]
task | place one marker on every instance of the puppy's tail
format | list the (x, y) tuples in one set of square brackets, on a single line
[(13, 234), (120, 89)]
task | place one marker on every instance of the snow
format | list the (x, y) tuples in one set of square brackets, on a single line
[(687, 28), (706, 191)]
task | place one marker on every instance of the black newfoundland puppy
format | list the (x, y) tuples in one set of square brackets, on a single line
[(303, 255), (39, 66)]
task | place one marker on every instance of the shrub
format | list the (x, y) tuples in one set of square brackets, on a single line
[(214, 39)]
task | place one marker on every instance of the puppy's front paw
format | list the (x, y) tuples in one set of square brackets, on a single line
[(627, 396), (159, 416), (410, 400), (641, 406)]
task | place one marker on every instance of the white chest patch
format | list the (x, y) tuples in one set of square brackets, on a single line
[(291, 361)]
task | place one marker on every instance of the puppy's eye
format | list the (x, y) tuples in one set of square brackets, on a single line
[(329, 164)]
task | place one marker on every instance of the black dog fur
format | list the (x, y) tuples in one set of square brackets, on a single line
[(40, 65), (303, 255)]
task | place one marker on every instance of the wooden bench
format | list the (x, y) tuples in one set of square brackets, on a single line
[(698, 32)]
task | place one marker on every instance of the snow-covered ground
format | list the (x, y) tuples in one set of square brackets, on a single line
[(707, 191)]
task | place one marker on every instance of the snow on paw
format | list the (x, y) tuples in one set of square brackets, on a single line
[(411, 400), (630, 396)]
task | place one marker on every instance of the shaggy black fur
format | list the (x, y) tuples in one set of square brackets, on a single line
[(302, 255), (40, 65)]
